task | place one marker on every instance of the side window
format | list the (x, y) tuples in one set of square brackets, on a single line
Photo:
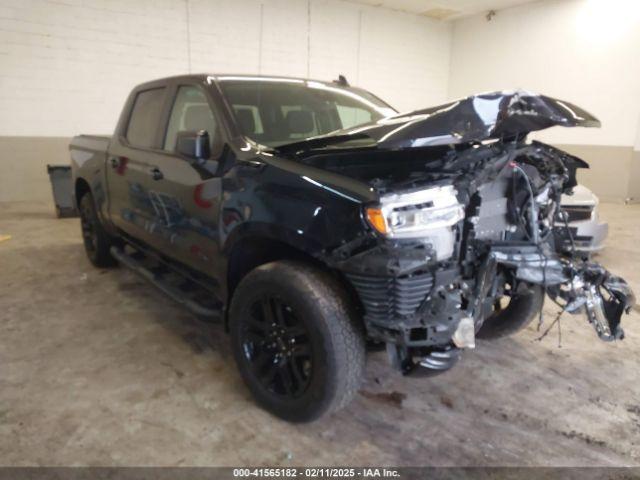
[(190, 112), (352, 116), (143, 122)]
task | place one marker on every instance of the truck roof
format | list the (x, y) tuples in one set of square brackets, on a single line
[(204, 77)]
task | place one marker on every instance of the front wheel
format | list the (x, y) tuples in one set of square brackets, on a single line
[(513, 317), (295, 340)]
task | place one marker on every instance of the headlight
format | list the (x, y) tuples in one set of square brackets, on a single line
[(416, 214)]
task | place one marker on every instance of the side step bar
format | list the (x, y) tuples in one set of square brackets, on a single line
[(175, 293)]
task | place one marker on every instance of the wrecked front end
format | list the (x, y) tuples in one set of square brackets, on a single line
[(464, 235), (447, 257)]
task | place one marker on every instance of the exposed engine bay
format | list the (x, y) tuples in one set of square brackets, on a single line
[(463, 228)]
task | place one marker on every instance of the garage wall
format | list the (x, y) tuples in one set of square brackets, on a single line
[(634, 173), (66, 66), (584, 51)]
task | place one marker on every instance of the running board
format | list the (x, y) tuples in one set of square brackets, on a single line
[(165, 287)]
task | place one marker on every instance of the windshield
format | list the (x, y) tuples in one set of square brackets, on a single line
[(275, 112)]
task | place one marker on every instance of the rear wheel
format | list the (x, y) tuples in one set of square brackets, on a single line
[(513, 316), (97, 241), (294, 339)]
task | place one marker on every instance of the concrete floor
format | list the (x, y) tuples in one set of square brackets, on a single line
[(98, 368)]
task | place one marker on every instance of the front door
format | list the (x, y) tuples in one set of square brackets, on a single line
[(185, 193)]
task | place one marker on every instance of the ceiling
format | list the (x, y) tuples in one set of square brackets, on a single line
[(443, 9)]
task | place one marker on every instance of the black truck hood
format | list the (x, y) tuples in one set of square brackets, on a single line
[(480, 117)]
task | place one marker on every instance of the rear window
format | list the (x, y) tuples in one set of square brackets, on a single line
[(145, 115)]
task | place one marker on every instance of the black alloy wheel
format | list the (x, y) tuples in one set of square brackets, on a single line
[(97, 242), (276, 344), (89, 231), (296, 339)]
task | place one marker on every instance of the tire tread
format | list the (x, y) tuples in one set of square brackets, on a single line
[(518, 314), (347, 338)]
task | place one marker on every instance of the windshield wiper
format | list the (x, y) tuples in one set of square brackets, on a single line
[(318, 142)]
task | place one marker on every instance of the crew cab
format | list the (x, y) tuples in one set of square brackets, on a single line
[(314, 222)]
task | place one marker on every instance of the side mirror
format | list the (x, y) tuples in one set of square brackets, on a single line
[(194, 145)]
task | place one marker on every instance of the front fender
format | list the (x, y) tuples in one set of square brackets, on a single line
[(256, 231), (290, 206)]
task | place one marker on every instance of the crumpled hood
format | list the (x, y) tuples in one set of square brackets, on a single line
[(476, 118)]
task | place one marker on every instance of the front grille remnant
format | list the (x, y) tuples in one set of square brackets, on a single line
[(388, 298), (578, 213)]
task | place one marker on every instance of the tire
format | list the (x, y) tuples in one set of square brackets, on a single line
[(97, 241), (517, 315), (321, 369)]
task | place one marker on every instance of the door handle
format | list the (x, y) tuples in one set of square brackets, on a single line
[(115, 162), (156, 173)]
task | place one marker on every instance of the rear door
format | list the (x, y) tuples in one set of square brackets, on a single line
[(130, 162)]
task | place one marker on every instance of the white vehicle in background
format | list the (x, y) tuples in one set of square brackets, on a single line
[(587, 230)]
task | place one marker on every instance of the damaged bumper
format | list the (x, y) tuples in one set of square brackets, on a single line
[(427, 312), (414, 304), (582, 286)]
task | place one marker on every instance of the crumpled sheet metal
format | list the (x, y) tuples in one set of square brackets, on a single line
[(585, 287), (605, 298), (533, 267), (475, 118)]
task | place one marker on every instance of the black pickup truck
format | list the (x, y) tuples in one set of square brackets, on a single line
[(316, 222)]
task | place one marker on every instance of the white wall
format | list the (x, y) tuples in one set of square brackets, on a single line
[(67, 66), (583, 51)]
